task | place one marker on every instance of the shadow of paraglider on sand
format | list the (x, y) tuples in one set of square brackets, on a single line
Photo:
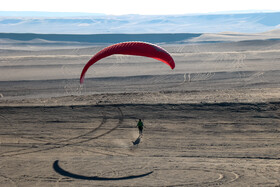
[(65, 173)]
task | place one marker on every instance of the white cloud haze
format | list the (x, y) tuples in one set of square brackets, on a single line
[(148, 7)]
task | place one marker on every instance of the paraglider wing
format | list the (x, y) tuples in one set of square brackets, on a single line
[(131, 48)]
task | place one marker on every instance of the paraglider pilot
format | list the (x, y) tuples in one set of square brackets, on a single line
[(140, 126)]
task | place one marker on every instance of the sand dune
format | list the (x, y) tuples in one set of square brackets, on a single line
[(234, 36), (213, 120)]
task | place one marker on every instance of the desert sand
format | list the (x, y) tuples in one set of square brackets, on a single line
[(213, 120)]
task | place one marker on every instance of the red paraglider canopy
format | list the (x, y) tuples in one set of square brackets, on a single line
[(131, 48)]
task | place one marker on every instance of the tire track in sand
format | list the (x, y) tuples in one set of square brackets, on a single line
[(59, 145), (8, 178), (223, 177)]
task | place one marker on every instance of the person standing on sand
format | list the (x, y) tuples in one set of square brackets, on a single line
[(140, 126)]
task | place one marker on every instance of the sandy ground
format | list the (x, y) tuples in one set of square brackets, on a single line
[(214, 120)]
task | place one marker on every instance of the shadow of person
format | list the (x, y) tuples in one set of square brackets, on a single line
[(65, 173), (137, 141)]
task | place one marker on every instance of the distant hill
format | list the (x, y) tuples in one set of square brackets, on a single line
[(59, 23), (21, 38)]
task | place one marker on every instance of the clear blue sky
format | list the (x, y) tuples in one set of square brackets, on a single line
[(145, 7)]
